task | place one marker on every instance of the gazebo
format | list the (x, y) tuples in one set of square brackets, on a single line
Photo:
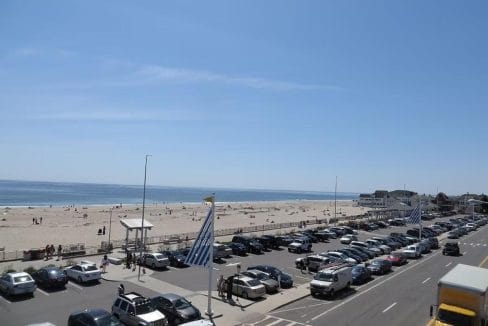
[(135, 224)]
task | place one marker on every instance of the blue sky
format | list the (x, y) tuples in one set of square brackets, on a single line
[(246, 94)]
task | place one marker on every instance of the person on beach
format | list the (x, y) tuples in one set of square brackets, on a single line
[(60, 249), (40, 219), (33, 220), (52, 250), (103, 230), (104, 263)]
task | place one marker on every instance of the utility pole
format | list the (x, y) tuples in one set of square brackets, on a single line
[(335, 202), (142, 225)]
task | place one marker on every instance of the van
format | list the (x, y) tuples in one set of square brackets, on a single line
[(331, 280)]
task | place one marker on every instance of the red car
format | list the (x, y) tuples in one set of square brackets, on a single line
[(397, 258)]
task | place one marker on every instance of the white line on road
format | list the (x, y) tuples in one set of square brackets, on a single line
[(76, 286), (7, 301), (43, 292), (426, 280), (390, 306), (449, 264), (303, 307), (464, 253), (373, 287)]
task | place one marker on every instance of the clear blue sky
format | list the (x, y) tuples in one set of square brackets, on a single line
[(247, 94)]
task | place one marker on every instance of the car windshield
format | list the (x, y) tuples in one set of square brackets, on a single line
[(182, 303), (159, 256), (24, 278), (452, 318), (54, 272), (262, 276), (144, 308), (253, 282), (328, 277)]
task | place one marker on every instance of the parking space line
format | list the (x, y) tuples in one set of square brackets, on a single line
[(7, 301), (483, 262), (76, 286), (389, 307), (464, 253), (449, 264), (302, 307), (42, 291), (426, 280)]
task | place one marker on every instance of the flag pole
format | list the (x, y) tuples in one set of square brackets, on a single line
[(420, 220), (209, 311)]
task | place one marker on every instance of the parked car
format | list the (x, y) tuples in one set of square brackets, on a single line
[(356, 251), (425, 246), (350, 254), (330, 234), (154, 260), (453, 234), (318, 262), (365, 251), (375, 243), (84, 272), (284, 240), (346, 239), (274, 243), (176, 258), (17, 283), (251, 245), (92, 317), (360, 274), (299, 245), (397, 258), (221, 250), (238, 248), (176, 308), (50, 277), (377, 251), (412, 251), (434, 243), (270, 284), (286, 281), (451, 249), (343, 257), (379, 266), (133, 309), (331, 280), (248, 287)]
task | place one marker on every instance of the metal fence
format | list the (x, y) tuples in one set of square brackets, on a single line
[(172, 240)]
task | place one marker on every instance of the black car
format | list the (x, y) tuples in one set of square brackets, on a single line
[(265, 242), (360, 274), (364, 256), (284, 240), (176, 258), (92, 317), (251, 244), (238, 248), (50, 277), (273, 241), (434, 242), (286, 281), (177, 309), (451, 249), (379, 266)]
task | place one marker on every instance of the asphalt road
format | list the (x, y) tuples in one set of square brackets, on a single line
[(402, 297), (399, 298)]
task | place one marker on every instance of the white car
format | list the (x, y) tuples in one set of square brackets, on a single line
[(348, 238), (17, 283), (84, 272), (471, 226), (155, 260), (413, 251), (340, 255)]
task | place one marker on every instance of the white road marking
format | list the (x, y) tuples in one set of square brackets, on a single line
[(484, 245), (76, 286), (464, 253), (373, 287), (43, 292), (471, 244), (7, 301), (449, 264), (302, 307), (426, 280), (390, 306)]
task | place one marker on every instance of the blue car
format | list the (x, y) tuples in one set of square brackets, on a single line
[(360, 274)]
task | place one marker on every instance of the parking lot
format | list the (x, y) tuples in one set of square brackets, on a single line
[(55, 306)]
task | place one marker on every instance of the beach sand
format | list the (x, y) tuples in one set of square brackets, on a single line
[(80, 224)]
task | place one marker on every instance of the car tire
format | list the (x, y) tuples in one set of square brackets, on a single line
[(177, 321), (348, 285)]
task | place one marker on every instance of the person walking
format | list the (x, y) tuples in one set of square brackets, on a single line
[(128, 260), (46, 252), (104, 263), (230, 282), (220, 285), (121, 289)]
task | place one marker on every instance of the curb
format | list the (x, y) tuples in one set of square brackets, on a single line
[(290, 302)]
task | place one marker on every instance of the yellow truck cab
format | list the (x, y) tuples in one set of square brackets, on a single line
[(461, 297)]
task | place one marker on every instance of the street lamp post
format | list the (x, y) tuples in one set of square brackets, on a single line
[(109, 230), (142, 225)]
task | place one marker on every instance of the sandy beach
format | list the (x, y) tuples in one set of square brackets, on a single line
[(80, 224)]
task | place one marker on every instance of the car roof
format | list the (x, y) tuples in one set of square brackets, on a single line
[(16, 274), (244, 278), (96, 312), (171, 296)]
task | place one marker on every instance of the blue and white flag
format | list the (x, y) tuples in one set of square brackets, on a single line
[(415, 216), (201, 250)]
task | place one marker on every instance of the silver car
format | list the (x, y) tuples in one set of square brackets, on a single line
[(248, 287), (155, 260), (270, 284), (17, 283)]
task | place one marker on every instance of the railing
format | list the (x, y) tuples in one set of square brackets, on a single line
[(171, 240)]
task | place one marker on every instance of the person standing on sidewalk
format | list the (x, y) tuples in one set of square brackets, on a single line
[(60, 249), (220, 285)]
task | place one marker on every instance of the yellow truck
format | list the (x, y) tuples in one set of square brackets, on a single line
[(462, 298)]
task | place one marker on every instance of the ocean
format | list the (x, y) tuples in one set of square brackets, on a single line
[(36, 193)]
